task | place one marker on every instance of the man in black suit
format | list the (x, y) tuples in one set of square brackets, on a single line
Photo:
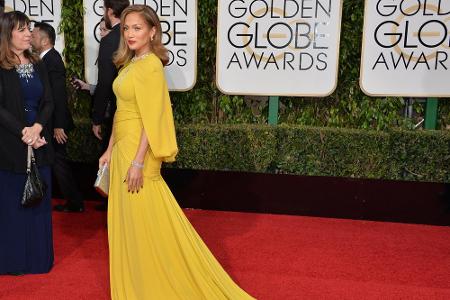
[(104, 104), (43, 41)]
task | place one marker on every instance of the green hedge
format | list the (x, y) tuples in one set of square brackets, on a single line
[(397, 155)]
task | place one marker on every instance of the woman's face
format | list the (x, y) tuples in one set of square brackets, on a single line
[(137, 33), (103, 30), (21, 39)]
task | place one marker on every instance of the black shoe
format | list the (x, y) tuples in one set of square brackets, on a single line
[(102, 207), (69, 207)]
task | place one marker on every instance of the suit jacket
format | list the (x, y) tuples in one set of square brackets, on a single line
[(13, 152), (107, 72), (62, 118)]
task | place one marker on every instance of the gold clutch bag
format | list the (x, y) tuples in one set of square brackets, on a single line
[(101, 184)]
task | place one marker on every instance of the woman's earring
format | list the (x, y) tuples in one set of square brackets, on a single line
[(151, 39)]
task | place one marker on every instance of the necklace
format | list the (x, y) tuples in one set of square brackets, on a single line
[(25, 71), (127, 68), (136, 58)]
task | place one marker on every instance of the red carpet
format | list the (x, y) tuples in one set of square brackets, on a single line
[(270, 256)]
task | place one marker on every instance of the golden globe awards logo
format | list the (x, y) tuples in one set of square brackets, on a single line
[(279, 35), (406, 47), (413, 35), (278, 47)]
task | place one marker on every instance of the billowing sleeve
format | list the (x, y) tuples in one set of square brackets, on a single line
[(152, 97)]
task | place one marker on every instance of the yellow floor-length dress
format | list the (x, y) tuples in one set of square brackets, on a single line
[(155, 253)]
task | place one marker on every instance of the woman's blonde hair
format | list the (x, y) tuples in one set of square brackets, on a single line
[(10, 21), (124, 54)]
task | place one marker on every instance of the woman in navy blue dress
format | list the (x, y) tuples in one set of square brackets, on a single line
[(26, 244)]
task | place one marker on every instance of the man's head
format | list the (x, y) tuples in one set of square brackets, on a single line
[(112, 11), (43, 37)]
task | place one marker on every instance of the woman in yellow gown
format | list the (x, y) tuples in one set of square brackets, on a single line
[(155, 253)]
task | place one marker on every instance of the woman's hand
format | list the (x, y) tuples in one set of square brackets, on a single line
[(135, 179), (39, 143), (31, 134), (104, 159)]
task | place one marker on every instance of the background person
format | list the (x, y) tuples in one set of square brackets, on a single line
[(103, 30), (43, 42), (107, 71), (104, 100), (26, 106)]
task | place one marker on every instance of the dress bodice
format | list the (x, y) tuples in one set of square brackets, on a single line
[(143, 102), (32, 90)]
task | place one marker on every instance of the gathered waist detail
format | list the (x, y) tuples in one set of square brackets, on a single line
[(127, 124), (127, 130), (126, 115)]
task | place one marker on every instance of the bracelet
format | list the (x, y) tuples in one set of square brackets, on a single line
[(137, 165)]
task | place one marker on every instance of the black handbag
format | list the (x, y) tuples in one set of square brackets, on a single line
[(34, 186)]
